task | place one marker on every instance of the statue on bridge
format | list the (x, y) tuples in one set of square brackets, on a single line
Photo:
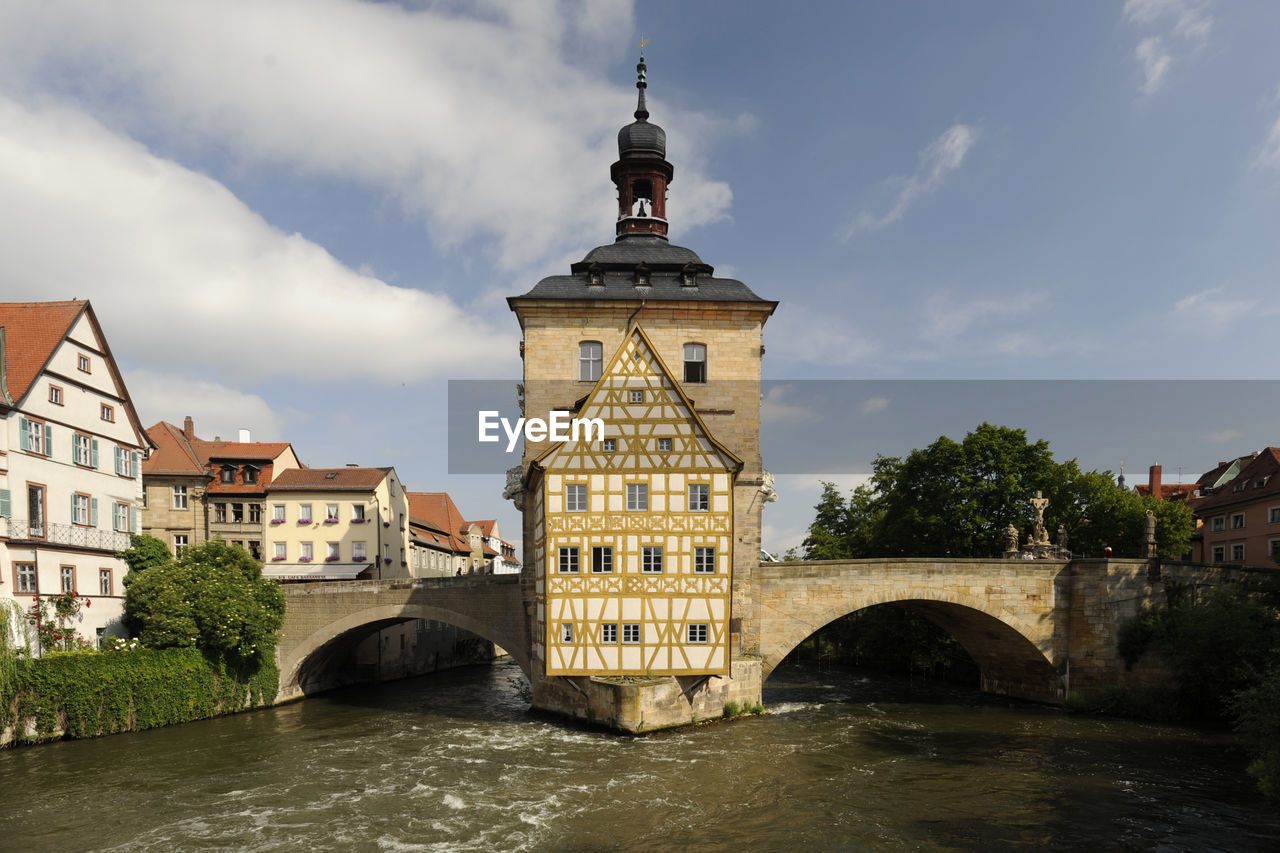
[(1010, 542), (1039, 535), (1149, 534)]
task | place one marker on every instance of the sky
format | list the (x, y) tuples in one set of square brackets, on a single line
[(303, 218)]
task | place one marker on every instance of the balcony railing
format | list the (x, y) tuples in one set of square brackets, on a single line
[(22, 530)]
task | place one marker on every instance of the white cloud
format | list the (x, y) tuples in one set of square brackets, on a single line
[(801, 334), (1223, 436), (1212, 311), (1181, 27), (775, 408), (216, 409), (1269, 155), (939, 158), (786, 522), (182, 273), (467, 115), (946, 317), (874, 405)]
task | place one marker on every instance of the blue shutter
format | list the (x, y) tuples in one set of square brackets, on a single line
[(95, 453), (48, 440), (133, 519), (93, 512), (6, 509), (22, 434)]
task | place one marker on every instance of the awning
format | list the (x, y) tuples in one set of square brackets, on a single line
[(313, 571)]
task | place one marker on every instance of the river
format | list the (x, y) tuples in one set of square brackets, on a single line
[(454, 761)]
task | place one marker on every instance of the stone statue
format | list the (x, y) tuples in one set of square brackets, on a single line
[(1039, 536), (1062, 536), (766, 487), (1010, 538), (514, 490), (1149, 533)]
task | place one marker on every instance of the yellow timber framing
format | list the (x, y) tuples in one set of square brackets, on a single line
[(662, 605)]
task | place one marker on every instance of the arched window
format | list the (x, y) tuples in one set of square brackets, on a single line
[(695, 363), (590, 360)]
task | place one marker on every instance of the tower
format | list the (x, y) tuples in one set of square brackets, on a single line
[(640, 543)]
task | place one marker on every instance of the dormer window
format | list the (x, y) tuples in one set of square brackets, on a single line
[(642, 275), (250, 475), (595, 276), (689, 275), (228, 474)]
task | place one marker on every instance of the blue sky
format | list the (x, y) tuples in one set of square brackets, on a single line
[(303, 217)]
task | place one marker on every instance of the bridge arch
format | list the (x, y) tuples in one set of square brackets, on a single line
[(1015, 657)]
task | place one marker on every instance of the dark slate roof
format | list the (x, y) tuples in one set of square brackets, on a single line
[(666, 264)]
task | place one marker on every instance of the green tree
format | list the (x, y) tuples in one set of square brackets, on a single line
[(213, 598), (145, 552)]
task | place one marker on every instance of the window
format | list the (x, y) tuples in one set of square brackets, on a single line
[(1219, 553), (255, 549), (25, 577), (331, 552), (601, 560), (277, 513), (304, 514), (120, 518), (35, 511), (220, 512), (695, 363), (566, 632), (55, 395), (609, 445), (124, 462), (228, 475), (82, 449), (33, 434), (179, 544), (108, 413), (250, 475), (1237, 552), (664, 444), (630, 633), (105, 586), (651, 559), (637, 497), (1273, 515), (590, 360), (255, 513), (637, 396), (80, 506), (237, 513), (331, 513), (575, 497), (358, 552), (1219, 523), (82, 363), (1237, 521), (305, 552), (68, 578), (179, 497), (568, 561), (279, 550), (699, 497), (357, 512), (704, 561), (698, 632), (386, 552), (1273, 548), (609, 634)]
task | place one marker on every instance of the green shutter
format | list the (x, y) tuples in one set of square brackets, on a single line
[(6, 508), (48, 440), (136, 470), (95, 453), (93, 512), (22, 434), (74, 520), (133, 519), (117, 455)]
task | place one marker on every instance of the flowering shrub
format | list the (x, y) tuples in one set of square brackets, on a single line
[(120, 644), (54, 630)]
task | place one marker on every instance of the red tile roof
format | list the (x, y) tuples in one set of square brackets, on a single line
[(173, 455), (1256, 480), (438, 510), (329, 479), (32, 331)]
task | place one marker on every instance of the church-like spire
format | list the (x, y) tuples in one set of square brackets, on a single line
[(642, 171)]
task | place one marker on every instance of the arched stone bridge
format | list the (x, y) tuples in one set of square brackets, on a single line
[(1036, 628), (320, 614)]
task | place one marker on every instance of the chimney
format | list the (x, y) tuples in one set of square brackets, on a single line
[(244, 436), (188, 427), (1153, 478)]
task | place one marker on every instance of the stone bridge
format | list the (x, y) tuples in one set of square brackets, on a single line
[(1036, 628), (319, 616)]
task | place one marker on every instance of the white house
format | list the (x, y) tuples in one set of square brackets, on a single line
[(71, 449)]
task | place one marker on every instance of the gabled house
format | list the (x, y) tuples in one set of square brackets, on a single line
[(71, 449), (504, 560), (337, 524), (1238, 511), (198, 490), (468, 552)]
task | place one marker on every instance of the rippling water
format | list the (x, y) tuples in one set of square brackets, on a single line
[(454, 762)]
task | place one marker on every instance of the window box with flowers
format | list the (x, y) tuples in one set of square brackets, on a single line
[(277, 521), (332, 558), (387, 560), (359, 520), (386, 524), (359, 559), (304, 559), (278, 559), (304, 521), (331, 521)]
